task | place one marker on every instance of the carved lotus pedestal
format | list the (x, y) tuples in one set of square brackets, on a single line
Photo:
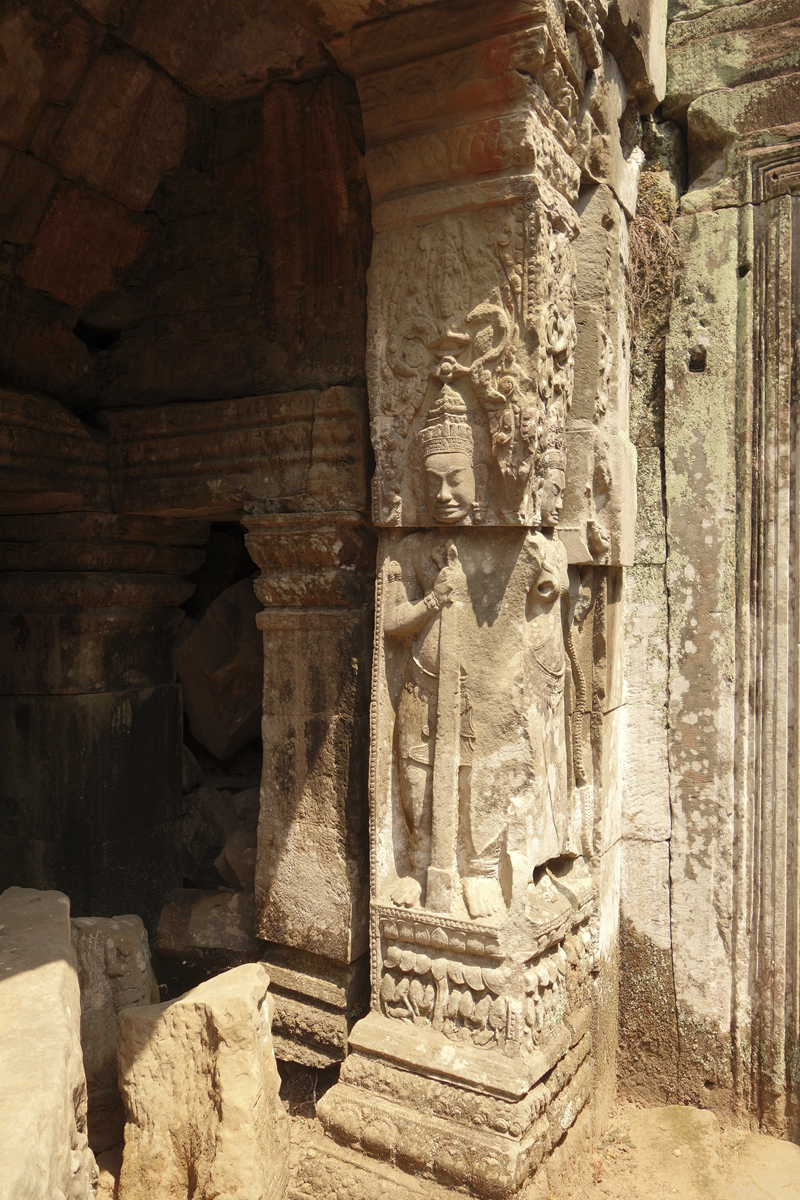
[(475, 1064)]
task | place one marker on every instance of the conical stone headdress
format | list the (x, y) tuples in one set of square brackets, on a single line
[(446, 429)]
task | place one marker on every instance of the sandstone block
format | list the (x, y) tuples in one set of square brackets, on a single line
[(734, 45), (24, 192), (227, 48), (39, 350), (44, 1153), (49, 460), (221, 668), (85, 230), (209, 820), (202, 933), (126, 128), (114, 971), (303, 449), (200, 1085), (236, 862), (635, 32), (39, 67)]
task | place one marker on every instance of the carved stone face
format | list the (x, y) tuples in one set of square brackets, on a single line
[(551, 496), (448, 486)]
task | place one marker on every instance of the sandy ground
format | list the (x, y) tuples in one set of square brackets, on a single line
[(680, 1153), (674, 1153)]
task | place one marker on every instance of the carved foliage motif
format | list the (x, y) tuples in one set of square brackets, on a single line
[(475, 311)]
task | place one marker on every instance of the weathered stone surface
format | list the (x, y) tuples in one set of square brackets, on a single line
[(634, 33), (25, 188), (313, 792), (220, 49), (82, 226), (89, 706), (46, 48), (39, 351), (645, 780), (200, 1085), (312, 870), (236, 861), (205, 933), (220, 666), (105, 543), (732, 45), (126, 128), (49, 460), (700, 432), (113, 971), (303, 450), (273, 298), (650, 1050), (209, 819), (43, 1148), (88, 601), (316, 1002), (92, 797), (107, 11)]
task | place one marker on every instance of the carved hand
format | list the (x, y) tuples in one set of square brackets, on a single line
[(451, 581)]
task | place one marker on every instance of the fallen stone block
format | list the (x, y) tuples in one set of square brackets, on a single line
[(221, 668), (44, 1152), (209, 819), (200, 1086), (114, 971), (237, 861), (202, 933)]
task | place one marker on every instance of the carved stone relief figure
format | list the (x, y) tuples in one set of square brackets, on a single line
[(486, 327), (483, 923)]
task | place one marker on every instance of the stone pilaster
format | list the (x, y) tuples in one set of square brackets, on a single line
[(312, 871), (90, 710), (732, 387), (494, 806)]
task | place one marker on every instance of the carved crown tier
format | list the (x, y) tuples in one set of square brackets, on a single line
[(470, 120)]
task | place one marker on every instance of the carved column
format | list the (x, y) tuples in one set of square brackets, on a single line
[(491, 797), (312, 881), (90, 710)]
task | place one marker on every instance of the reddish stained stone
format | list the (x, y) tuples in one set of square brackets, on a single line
[(42, 58), (126, 129), (83, 240)]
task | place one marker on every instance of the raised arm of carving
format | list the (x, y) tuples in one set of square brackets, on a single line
[(407, 611)]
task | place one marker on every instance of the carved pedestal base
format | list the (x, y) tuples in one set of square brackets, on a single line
[(476, 1064), (316, 1001)]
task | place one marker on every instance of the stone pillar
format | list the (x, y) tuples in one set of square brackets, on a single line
[(90, 711), (494, 805), (312, 873), (732, 389)]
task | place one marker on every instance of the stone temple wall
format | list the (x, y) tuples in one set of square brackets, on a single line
[(709, 932), (481, 319)]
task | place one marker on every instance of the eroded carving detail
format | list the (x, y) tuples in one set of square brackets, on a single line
[(477, 321)]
